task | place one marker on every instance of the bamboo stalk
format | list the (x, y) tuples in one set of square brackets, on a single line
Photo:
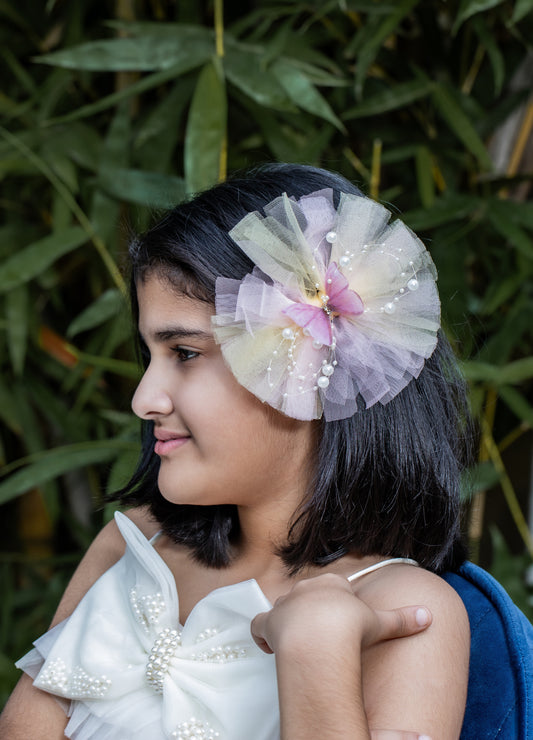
[(507, 488), (375, 171)]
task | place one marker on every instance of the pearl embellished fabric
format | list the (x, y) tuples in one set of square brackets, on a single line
[(133, 672), (340, 304)]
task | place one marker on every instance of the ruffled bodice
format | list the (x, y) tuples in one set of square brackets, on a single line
[(132, 671), (126, 669)]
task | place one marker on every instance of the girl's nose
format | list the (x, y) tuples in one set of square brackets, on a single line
[(151, 399)]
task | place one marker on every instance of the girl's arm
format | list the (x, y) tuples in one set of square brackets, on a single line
[(339, 677), (30, 712)]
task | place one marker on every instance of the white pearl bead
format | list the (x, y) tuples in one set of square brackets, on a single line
[(344, 261), (413, 284), (317, 344), (389, 308), (287, 333), (328, 370), (322, 382), (331, 237)]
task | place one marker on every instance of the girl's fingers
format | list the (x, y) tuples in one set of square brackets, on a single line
[(258, 627), (396, 735), (407, 620)]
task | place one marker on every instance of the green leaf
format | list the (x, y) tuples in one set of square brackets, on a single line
[(302, 92), (511, 569), (446, 209), (151, 189), (500, 292), (468, 8), (522, 8), (106, 306), (160, 132), (490, 44), (392, 98), (31, 261), (114, 155), (424, 176), (136, 88), (148, 52), (510, 374), (122, 469), (9, 410), (372, 45), (505, 224), (518, 404), (206, 130), (460, 124), (53, 463), (17, 326), (481, 477), (244, 68)]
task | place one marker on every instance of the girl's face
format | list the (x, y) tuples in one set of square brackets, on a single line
[(218, 443)]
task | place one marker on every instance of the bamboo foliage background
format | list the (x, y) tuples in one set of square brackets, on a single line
[(111, 112)]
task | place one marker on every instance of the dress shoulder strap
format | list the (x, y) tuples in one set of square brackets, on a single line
[(381, 564)]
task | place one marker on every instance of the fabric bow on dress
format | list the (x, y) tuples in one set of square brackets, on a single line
[(133, 672)]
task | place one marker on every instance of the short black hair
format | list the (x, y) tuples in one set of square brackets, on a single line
[(386, 480)]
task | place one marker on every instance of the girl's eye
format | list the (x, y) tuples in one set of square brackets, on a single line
[(185, 354)]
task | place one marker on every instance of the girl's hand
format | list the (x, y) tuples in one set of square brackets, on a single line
[(326, 606), (396, 735), (318, 632)]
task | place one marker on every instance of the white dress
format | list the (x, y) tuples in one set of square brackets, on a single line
[(132, 672)]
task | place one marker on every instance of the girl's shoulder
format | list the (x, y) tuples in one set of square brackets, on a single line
[(105, 550), (398, 584), (425, 665)]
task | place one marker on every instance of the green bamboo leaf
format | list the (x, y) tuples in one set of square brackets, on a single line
[(372, 45), (490, 44), (518, 404), (445, 210), (122, 470), (393, 98), (424, 176), (206, 130), (53, 463), (510, 374), (522, 8), (136, 88), (503, 221), (460, 124), (480, 477), (17, 326), (152, 189), (500, 292), (114, 155), (158, 135), (468, 8), (302, 92), (106, 306), (149, 52), (9, 410), (118, 367), (31, 261), (244, 68)]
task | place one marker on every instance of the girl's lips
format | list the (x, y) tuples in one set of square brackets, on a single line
[(163, 447)]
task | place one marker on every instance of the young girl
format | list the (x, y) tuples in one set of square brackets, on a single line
[(302, 449)]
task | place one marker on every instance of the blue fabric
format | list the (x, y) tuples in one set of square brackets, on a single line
[(500, 685)]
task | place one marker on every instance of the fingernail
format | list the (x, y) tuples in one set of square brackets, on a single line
[(424, 737), (422, 618)]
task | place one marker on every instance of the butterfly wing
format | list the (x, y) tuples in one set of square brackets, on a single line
[(342, 300), (312, 318)]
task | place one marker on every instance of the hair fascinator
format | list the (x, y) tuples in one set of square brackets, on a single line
[(340, 304)]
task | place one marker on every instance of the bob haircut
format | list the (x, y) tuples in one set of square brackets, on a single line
[(386, 480)]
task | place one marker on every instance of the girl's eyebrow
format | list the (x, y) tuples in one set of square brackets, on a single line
[(179, 332)]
